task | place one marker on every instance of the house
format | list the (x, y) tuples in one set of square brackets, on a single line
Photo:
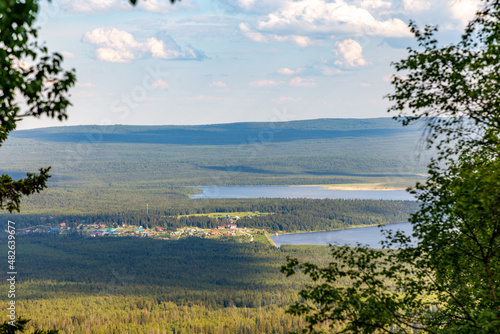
[(213, 232), (221, 227), (232, 226)]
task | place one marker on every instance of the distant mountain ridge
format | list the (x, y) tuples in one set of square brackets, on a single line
[(221, 134)]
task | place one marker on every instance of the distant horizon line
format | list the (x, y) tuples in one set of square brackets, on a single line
[(209, 124)]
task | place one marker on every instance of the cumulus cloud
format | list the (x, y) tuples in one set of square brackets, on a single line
[(252, 35), (118, 46), (329, 71), (218, 84), (252, 6), (464, 10), (265, 83), (374, 4), (264, 38), (301, 82), (106, 6), (351, 53), (416, 5), (287, 71), (246, 4), (159, 84), (388, 78), (319, 17), (67, 54)]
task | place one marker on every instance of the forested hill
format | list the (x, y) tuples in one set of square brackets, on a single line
[(109, 168), (223, 134)]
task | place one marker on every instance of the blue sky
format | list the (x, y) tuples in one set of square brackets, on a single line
[(221, 61)]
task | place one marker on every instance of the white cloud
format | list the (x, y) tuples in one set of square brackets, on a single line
[(84, 84), (218, 84), (118, 46), (319, 17), (375, 4), (159, 84), (254, 36), (261, 38), (416, 5), (296, 39), (158, 50), (95, 6), (387, 78), (106, 6), (329, 71), (287, 71), (246, 4), (351, 52), (365, 84), (260, 6), (464, 10), (156, 6), (300, 82), (67, 54), (265, 83)]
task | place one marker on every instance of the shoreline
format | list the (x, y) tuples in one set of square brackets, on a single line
[(354, 187), (340, 229), (271, 240)]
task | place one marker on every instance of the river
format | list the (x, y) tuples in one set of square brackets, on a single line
[(316, 192), (368, 236)]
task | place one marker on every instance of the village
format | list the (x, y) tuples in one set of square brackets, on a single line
[(227, 230)]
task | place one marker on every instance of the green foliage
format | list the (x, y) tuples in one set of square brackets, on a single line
[(287, 215), (28, 75), (454, 89), (19, 325), (448, 280), (137, 285), (11, 191)]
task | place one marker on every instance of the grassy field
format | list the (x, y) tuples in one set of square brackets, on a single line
[(230, 214)]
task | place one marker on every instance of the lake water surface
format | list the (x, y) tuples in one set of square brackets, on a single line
[(316, 192), (369, 236)]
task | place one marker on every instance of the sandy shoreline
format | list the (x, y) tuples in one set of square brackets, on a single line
[(355, 186)]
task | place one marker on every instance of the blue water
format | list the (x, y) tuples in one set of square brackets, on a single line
[(367, 236), (299, 192)]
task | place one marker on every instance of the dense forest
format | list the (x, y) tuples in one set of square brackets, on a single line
[(137, 285), (193, 285), (286, 215)]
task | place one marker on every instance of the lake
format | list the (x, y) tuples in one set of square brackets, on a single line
[(316, 192), (369, 236)]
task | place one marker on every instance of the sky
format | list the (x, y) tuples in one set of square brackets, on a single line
[(224, 61)]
